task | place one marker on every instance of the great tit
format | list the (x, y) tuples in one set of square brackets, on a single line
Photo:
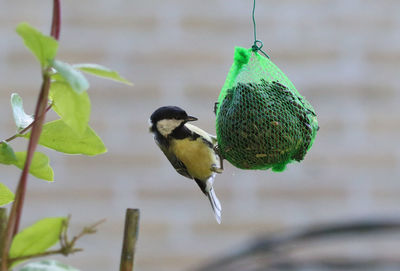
[(191, 151)]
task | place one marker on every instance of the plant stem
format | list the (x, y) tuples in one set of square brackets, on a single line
[(40, 112), (56, 22), (33, 141), (130, 238), (16, 210)]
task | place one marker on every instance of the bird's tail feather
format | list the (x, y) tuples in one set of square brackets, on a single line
[(215, 204)]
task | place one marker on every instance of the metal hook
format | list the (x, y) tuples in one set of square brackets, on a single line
[(258, 44)]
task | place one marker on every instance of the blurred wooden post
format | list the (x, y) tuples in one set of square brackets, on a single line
[(130, 236), (3, 225)]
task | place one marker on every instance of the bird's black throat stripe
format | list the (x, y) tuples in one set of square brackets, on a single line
[(183, 132)]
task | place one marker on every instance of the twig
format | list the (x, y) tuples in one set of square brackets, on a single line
[(86, 230), (130, 238), (23, 131)]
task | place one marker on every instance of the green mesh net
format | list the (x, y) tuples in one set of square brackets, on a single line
[(262, 120)]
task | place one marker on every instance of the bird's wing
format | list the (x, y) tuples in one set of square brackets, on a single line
[(175, 162)]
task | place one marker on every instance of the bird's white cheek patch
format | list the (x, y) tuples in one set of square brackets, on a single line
[(165, 127)]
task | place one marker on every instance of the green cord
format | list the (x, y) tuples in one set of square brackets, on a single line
[(257, 45)]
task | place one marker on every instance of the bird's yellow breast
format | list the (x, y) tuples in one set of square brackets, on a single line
[(196, 155)]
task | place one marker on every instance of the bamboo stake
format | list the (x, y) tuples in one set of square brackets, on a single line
[(3, 225), (130, 237)]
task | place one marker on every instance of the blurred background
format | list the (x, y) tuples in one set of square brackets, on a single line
[(342, 55)]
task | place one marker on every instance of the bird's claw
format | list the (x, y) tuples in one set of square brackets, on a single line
[(216, 169), (221, 159)]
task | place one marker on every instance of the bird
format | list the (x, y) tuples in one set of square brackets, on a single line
[(191, 151)]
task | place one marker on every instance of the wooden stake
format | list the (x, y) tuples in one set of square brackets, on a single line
[(3, 225), (130, 236)]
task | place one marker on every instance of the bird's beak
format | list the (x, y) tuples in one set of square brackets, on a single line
[(190, 118)]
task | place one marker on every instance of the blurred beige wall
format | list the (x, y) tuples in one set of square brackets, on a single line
[(343, 55)]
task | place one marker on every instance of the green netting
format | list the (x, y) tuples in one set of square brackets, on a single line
[(262, 120)]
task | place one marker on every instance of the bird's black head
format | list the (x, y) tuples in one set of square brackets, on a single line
[(168, 112), (167, 118)]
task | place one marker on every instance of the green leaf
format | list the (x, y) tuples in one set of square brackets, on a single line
[(37, 238), (39, 168), (57, 77), (75, 78), (42, 46), (47, 265), (6, 196), (22, 120), (72, 107), (102, 71), (58, 136), (7, 155)]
